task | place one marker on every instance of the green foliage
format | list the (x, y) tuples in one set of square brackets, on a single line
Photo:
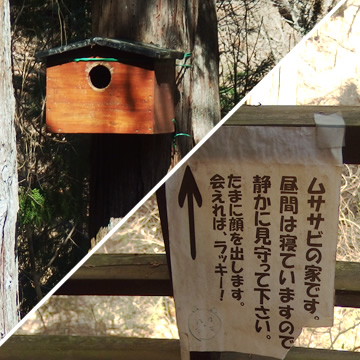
[(52, 219), (31, 207), (52, 168)]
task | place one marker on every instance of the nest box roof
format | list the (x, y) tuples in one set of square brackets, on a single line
[(135, 47)]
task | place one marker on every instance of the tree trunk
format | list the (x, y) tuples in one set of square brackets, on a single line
[(185, 25), (123, 169), (8, 183), (126, 167)]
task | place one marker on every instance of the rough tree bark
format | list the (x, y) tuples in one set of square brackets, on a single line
[(185, 25), (126, 167), (8, 182)]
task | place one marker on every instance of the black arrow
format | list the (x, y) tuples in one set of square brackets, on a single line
[(190, 189)]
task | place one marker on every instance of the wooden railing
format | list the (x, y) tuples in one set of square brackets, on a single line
[(148, 274), (32, 347), (131, 274)]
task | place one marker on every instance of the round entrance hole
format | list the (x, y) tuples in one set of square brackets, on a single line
[(100, 76)]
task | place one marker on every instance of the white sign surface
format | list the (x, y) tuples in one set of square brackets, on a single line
[(253, 227)]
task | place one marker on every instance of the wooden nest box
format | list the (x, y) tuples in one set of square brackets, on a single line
[(104, 85)]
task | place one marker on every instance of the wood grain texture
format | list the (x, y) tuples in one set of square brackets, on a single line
[(124, 267), (148, 274), (120, 274), (164, 96), (97, 348), (303, 115), (88, 348), (288, 115), (125, 106), (188, 26), (124, 168), (9, 315)]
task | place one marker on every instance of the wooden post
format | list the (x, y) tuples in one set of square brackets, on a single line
[(8, 183), (125, 167)]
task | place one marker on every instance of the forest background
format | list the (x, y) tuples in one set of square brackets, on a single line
[(53, 180)]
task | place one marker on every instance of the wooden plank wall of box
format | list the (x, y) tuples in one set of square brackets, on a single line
[(102, 85)]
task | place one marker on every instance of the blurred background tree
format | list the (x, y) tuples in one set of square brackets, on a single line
[(303, 15), (254, 35)]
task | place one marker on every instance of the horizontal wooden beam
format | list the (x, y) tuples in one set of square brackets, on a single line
[(291, 115), (120, 274), (148, 274), (50, 347), (283, 115)]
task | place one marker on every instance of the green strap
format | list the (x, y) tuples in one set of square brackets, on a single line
[(186, 56), (184, 65), (95, 59), (177, 134)]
